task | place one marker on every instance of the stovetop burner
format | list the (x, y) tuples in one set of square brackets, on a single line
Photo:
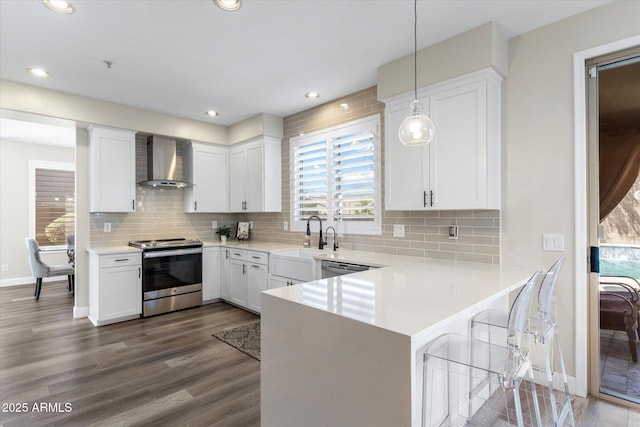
[(159, 244)]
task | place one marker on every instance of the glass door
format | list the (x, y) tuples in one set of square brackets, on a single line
[(614, 224)]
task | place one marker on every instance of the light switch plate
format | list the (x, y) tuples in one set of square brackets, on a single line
[(250, 225), (453, 232), (285, 225), (214, 224), (398, 230), (553, 242), (107, 227)]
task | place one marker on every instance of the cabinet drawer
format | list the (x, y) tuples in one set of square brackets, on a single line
[(258, 257), (120, 260), (240, 254)]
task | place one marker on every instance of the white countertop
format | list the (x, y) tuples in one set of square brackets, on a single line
[(410, 295), (106, 250)]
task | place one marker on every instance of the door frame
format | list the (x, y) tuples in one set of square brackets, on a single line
[(581, 198)]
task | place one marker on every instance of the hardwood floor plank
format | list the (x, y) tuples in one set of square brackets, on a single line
[(141, 372)]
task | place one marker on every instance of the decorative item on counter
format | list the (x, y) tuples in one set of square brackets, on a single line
[(243, 231), (224, 231)]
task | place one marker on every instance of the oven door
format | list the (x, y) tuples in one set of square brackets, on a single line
[(168, 269)]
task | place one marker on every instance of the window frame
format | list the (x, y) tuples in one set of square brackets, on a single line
[(342, 227), (44, 164)]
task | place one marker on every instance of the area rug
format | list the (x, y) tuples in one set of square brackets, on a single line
[(245, 338)]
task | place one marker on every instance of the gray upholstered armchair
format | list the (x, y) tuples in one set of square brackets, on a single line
[(39, 269)]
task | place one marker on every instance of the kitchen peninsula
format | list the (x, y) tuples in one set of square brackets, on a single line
[(347, 351)]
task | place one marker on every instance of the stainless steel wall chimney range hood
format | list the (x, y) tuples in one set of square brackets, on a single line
[(161, 163)]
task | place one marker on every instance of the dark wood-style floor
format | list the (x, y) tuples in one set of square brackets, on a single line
[(164, 370)]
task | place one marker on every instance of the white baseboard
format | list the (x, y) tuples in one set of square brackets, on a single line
[(28, 280), (540, 377), (79, 312)]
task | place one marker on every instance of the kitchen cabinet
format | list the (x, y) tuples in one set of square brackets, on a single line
[(460, 169), (225, 273), (115, 287), (112, 170), (248, 277), (210, 274), (255, 176), (280, 282), (206, 166)]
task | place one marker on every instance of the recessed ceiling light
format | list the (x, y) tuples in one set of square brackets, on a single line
[(344, 105), (312, 95), (212, 113), (228, 4), (38, 72), (60, 6)]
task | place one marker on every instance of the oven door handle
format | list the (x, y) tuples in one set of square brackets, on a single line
[(160, 254)]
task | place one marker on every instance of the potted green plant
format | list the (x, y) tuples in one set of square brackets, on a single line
[(224, 231)]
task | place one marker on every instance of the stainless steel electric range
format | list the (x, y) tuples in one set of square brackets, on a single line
[(171, 274)]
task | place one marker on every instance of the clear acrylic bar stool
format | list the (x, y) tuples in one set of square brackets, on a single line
[(464, 364), (543, 328)]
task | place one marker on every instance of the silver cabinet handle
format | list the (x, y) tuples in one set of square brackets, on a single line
[(255, 257), (195, 205), (244, 268), (255, 266), (133, 205), (122, 259), (227, 254), (139, 272)]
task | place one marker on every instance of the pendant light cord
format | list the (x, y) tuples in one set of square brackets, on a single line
[(415, 49)]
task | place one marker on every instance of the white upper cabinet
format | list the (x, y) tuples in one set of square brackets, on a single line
[(112, 170), (460, 169), (255, 176), (205, 166)]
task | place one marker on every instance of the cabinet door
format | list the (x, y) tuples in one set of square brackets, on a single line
[(120, 292), (255, 177), (225, 274), (406, 168), (112, 170), (210, 274), (459, 163), (280, 282), (237, 179), (238, 282), (208, 173), (258, 278)]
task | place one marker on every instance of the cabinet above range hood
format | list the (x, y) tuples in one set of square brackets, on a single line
[(161, 163)]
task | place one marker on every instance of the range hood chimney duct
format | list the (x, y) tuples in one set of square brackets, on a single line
[(161, 163)]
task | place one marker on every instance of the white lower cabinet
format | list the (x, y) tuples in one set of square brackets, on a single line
[(225, 273), (281, 282), (210, 274), (248, 276), (258, 278), (115, 287)]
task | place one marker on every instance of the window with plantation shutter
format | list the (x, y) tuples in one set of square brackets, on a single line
[(335, 175), (53, 203)]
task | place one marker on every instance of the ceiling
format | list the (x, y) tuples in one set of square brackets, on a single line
[(184, 57)]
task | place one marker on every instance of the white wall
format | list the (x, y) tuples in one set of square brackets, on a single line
[(14, 203), (538, 192)]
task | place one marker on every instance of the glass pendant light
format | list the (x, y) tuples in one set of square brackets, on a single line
[(416, 129)]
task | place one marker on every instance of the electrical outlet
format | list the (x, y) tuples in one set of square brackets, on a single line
[(453, 232), (250, 225), (553, 242), (286, 226), (107, 227), (398, 230), (5, 267), (214, 224)]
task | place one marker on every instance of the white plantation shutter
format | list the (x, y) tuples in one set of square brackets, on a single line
[(54, 206), (335, 175)]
